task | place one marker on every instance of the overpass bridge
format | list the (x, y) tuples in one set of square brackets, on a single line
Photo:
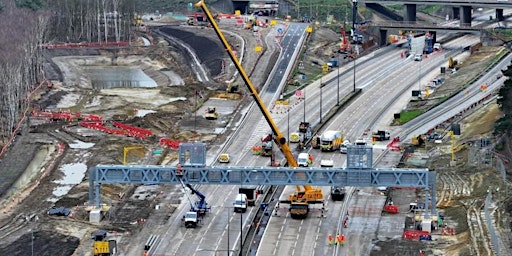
[(461, 9)]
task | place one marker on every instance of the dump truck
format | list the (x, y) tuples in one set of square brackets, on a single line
[(211, 113), (331, 140), (381, 135)]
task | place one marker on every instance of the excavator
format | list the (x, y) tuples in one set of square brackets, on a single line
[(299, 201)]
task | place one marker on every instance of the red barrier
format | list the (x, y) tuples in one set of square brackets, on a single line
[(391, 209), (134, 131), (414, 234)]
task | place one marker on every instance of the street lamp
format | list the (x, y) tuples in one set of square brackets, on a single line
[(320, 100), (338, 77), (34, 221)]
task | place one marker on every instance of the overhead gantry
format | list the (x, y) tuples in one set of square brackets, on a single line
[(192, 170)]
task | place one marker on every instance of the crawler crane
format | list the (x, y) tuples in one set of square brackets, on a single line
[(299, 201)]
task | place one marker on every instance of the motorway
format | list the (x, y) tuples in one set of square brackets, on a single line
[(384, 82)]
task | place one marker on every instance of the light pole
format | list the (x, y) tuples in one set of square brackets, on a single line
[(338, 93), (304, 95), (228, 229), (320, 100), (34, 221), (419, 77), (355, 57)]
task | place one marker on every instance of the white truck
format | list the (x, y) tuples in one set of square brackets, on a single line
[(240, 204), (190, 219), (331, 140)]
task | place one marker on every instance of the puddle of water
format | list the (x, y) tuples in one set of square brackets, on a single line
[(143, 112), (105, 77), (80, 144), (73, 175)]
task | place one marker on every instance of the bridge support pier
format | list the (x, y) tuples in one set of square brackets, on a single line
[(383, 37), (465, 17), (410, 14), (499, 15), (455, 13), (434, 36)]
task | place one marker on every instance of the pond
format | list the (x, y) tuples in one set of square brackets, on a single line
[(106, 77)]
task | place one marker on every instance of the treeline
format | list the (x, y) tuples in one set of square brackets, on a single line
[(26, 24), (21, 33)]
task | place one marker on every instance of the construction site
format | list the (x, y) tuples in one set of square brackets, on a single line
[(81, 117)]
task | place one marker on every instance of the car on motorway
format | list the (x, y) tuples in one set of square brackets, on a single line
[(326, 163), (343, 147), (418, 57), (437, 46), (224, 158)]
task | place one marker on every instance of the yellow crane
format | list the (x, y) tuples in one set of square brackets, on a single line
[(127, 149), (299, 201)]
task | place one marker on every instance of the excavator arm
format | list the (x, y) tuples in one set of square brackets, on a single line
[(278, 136)]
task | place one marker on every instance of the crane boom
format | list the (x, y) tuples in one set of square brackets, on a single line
[(279, 138)]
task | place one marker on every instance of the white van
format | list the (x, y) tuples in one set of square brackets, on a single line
[(303, 160), (240, 204), (343, 147), (418, 57)]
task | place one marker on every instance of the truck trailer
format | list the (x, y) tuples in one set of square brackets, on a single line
[(331, 140)]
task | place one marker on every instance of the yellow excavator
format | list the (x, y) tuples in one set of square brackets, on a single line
[(299, 201)]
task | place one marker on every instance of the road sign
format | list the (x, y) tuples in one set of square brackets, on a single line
[(309, 29), (101, 247), (280, 30), (303, 77), (298, 93), (325, 68), (273, 22), (258, 48)]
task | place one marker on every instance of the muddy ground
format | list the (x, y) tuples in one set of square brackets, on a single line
[(173, 120)]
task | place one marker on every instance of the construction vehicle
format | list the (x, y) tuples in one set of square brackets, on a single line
[(419, 140), (337, 193), (303, 127), (232, 88), (197, 209), (315, 142), (452, 63), (252, 193), (345, 45), (211, 113), (331, 140), (267, 145), (309, 194), (381, 135)]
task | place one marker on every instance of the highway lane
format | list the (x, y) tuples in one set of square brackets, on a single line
[(212, 236), (355, 119)]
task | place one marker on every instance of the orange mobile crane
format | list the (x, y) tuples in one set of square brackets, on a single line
[(299, 201)]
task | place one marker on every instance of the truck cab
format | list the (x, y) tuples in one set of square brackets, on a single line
[(337, 193), (240, 204), (303, 160), (190, 219)]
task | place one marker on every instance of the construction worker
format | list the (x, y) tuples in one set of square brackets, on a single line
[(338, 239), (310, 159), (331, 239), (342, 240)]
